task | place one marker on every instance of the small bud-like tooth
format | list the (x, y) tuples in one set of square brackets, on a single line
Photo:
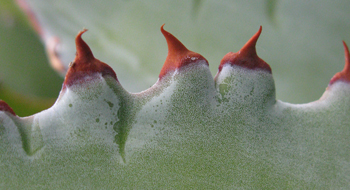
[(85, 63), (247, 56), (6, 108), (343, 75), (178, 54)]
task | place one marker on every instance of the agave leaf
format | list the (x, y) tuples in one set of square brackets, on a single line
[(301, 39), (187, 131)]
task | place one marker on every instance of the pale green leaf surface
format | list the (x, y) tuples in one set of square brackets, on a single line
[(300, 40), (188, 131)]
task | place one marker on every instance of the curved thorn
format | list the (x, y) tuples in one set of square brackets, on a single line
[(249, 48), (84, 53), (343, 75), (178, 54), (246, 56), (347, 59), (85, 63), (175, 47)]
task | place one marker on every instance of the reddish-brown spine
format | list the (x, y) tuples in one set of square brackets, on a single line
[(85, 64), (178, 54), (246, 57), (343, 75)]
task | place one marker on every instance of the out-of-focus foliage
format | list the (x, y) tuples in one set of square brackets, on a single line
[(27, 82), (301, 40)]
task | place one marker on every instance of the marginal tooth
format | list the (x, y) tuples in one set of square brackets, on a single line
[(6, 108), (85, 63), (247, 56), (178, 54), (343, 75), (84, 53)]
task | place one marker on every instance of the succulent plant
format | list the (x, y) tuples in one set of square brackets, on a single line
[(189, 130)]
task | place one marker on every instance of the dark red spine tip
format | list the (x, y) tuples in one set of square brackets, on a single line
[(178, 54), (343, 75), (6, 108), (246, 56), (84, 53), (85, 63)]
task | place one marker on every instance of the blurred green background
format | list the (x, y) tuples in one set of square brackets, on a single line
[(27, 82)]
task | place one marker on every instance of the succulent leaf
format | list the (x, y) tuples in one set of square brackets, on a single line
[(187, 131)]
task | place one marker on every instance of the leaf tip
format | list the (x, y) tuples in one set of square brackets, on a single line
[(6, 108), (246, 56), (178, 54)]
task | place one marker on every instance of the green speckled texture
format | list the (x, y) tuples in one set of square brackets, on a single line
[(188, 131)]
